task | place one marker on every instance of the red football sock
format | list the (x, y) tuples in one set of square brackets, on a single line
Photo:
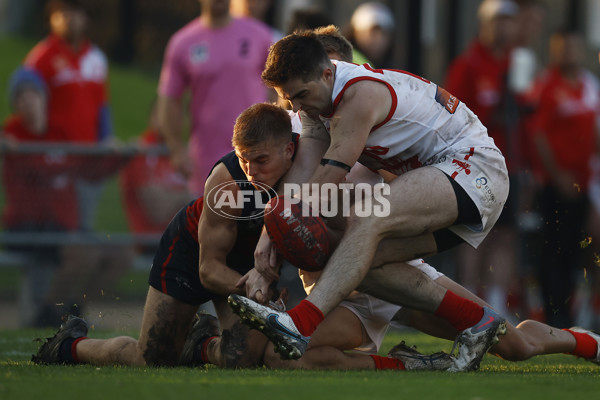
[(307, 317), (460, 312), (204, 349), (585, 345), (74, 349), (387, 363)]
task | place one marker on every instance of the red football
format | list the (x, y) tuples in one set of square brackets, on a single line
[(303, 240)]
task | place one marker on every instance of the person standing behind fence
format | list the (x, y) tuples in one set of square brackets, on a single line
[(75, 72), (219, 59), (566, 138), (39, 191)]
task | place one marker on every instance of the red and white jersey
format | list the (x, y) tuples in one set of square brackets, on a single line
[(424, 124), (77, 86)]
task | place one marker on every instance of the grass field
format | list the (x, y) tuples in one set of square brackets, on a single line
[(547, 377)]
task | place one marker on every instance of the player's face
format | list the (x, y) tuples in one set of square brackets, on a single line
[(266, 162), (312, 97)]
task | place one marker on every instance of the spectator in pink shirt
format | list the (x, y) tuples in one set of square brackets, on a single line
[(219, 59)]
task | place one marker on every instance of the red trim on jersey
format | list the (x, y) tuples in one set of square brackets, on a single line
[(338, 98), (163, 273), (401, 71), (193, 214)]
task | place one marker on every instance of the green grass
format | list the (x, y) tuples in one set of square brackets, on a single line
[(547, 377)]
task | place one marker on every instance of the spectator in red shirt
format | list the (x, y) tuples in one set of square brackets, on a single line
[(31, 177), (41, 197), (566, 139), (478, 77), (75, 72)]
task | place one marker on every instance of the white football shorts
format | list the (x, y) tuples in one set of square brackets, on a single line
[(482, 173), (375, 314)]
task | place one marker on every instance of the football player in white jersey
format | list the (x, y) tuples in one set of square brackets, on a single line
[(450, 184)]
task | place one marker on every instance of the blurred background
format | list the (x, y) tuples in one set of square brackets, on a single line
[(102, 263)]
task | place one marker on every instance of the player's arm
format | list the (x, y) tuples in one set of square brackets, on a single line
[(364, 105), (170, 120), (312, 145), (216, 237)]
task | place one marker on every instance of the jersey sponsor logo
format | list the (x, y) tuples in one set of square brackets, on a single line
[(199, 53), (482, 184), (448, 101)]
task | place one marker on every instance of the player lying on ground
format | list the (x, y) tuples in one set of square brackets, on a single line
[(202, 255)]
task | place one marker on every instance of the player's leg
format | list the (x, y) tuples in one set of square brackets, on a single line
[(422, 201), (237, 346), (171, 304), (528, 339), (341, 330), (165, 326), (324, 357)]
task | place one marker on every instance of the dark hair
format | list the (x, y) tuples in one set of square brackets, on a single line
[(299, 55), (333, 42), (260, 123), (55, 5)]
